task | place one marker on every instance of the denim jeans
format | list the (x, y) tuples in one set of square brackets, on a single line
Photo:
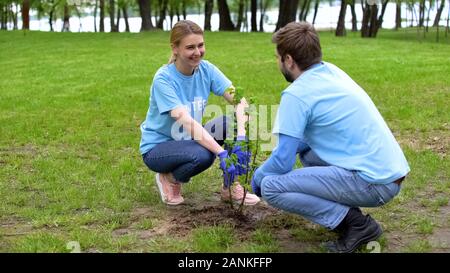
[(323, 193), (186, 158)]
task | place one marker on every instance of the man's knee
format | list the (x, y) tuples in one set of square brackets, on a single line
[(268, 188)]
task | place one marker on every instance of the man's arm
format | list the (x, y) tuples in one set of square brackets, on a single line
[(281, 161)]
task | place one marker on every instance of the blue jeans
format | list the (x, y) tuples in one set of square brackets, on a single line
[(186, 158), (323, 193)]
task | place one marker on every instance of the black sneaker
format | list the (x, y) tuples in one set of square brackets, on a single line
[(355, 236)]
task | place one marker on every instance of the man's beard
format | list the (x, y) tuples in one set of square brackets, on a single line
[(287, 75)]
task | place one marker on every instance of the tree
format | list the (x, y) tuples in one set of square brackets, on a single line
[(26, 14), (287, 13), (253, 9), (263, 7), (304, 10), (209, 5), (162, 14), (66, 17), (316, 8), (240, 15), (398, 14), (145, 12), (340, 29), (439, 13), (351, 3), (102, 15), (225, 22), (111, 9), (380, 18), (123, 4), (369, 26)]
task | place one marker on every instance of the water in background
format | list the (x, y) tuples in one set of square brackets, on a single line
[(327, 17)]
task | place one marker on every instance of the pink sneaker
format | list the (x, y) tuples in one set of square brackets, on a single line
[(170, 192), (237, 192)]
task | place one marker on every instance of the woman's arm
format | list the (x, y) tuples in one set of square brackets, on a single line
[(241, 117), (196, 130)]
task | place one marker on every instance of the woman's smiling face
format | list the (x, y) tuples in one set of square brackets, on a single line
[(190, 51)]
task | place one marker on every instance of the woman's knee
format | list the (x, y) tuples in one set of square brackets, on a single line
[(204, 158)]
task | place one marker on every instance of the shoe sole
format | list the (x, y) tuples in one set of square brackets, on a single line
[(161, 193)]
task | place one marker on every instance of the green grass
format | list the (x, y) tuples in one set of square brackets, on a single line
[(70, 109)]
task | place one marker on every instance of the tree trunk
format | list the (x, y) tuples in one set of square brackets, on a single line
[(421, 12), (146, 15), (369, 27), (77, 11), (354, 17), (183, 9), (66, 24), (162, 14), (316, 9), (125, 17), (118, 18), (253, 9), (225, 22), (240, 15), (111, 16), (448, 19), (171, 13), (246, 16), (263, 8), (26, 14), (302, 9), (398, 15), (50, 15), (14, 14), (380, 18), (340, 29), (438, 14), (177, 12), (3, 16), (428, 16), (305, 13), (95, 15), (209, 5), (287, 13), (102, 15)]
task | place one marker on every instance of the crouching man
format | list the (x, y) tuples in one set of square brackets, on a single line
[(350, 157)]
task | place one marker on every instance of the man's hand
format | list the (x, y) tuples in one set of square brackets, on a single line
[(255, 188), (229, 172)]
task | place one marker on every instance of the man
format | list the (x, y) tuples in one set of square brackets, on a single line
[(350, 157)]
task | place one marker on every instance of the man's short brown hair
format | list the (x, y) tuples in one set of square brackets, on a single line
[(300, 40)]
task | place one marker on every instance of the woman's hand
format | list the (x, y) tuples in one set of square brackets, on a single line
[(241, 116)]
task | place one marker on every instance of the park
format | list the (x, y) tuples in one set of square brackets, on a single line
[(71, 106)]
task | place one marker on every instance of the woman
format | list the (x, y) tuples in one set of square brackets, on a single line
[(179, 94)]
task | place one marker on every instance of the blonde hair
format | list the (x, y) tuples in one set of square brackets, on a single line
[(180, 30)]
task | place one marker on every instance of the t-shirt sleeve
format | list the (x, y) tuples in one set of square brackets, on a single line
[(165, 96), (292, 116), (219, 82)]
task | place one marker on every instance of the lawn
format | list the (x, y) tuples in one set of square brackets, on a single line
[(71, 173)]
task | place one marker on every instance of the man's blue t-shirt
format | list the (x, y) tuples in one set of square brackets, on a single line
[(328, 111), (171, 89)]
